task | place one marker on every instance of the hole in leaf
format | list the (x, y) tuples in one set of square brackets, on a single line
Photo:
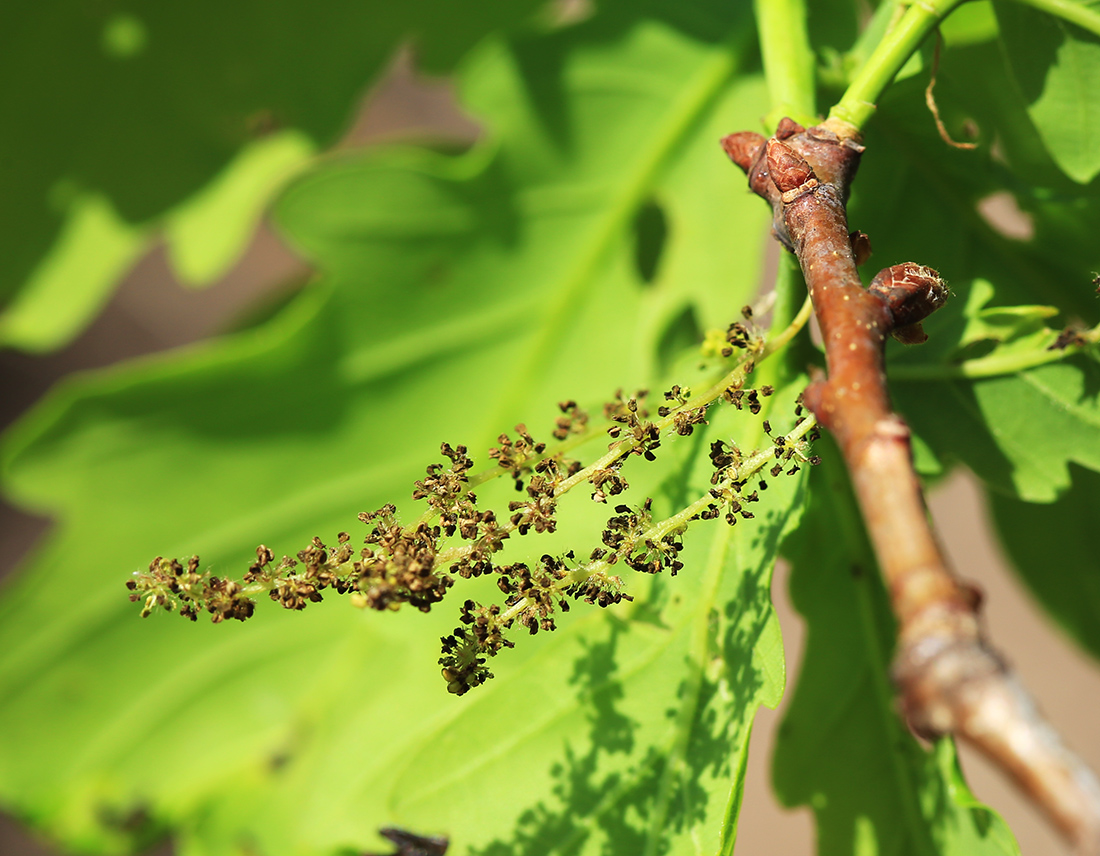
[(124, 36), (650, 234), (682, 333), (1005, 217)]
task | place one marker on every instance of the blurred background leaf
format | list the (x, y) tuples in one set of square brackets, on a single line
[(119, 116), (1055, 67), (459, 294)]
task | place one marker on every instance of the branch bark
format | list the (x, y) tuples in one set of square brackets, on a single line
[(949, 679)]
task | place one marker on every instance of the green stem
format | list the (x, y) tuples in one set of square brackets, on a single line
[(900, 42), (735, 379), (879, 655), (796, 324), (991, 366), (790, 294), (788, 59), (790, 313), (1083, 16), (748, 468)]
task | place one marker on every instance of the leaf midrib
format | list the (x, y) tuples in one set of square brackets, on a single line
[(704, 88)]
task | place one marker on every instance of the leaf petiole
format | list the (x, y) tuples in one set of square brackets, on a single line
[(857, 105)]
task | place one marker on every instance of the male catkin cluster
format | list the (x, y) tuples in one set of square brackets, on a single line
[(457, 538)]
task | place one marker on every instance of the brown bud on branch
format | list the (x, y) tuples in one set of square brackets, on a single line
[(790, 172), (912, 292), (743, 148), (787, 128)]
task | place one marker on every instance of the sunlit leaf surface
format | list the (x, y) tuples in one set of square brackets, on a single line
[(139, 108), (580, 248)]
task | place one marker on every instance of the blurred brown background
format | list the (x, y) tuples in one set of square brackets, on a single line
[(152, 312)]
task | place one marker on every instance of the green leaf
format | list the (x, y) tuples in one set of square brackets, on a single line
[(841, 748), (1017, 432), (1053, 550), (141, 108), (616, 735), (1056, 66), (1019, 428), (206, 234), (971, 23), (1001, 324), (71, 284), (921, 199), (460, 295), (995, 340)]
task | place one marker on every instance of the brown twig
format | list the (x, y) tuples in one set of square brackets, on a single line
[(949, 680)]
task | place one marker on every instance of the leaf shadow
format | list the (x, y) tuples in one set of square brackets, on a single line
[(843, 748), (619, 793), (542, 59), (947, 418), (578, 780)]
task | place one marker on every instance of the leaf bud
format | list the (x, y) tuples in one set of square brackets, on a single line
[(912, 292), (790, 172), (787, 128), (742, 148)]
